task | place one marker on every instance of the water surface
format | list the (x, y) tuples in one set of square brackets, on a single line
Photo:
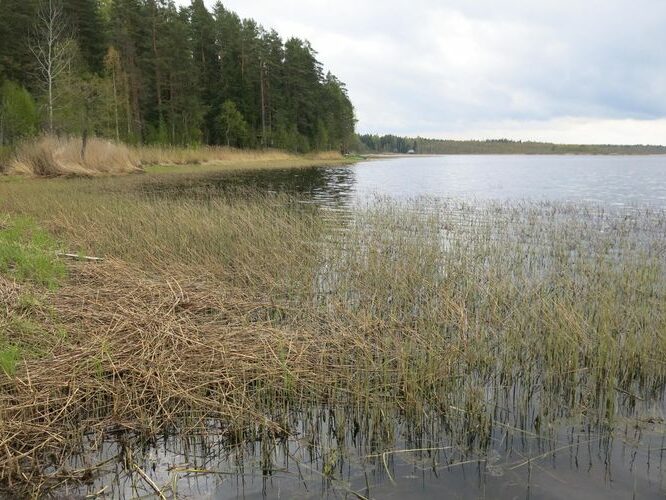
[(612, 180), (620, 181)]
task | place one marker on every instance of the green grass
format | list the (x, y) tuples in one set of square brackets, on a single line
[(28, 253), (9, 358)]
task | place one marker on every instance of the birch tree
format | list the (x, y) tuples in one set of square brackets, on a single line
[(51, 49)]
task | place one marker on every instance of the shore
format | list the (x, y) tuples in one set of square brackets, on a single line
[(50, 156)]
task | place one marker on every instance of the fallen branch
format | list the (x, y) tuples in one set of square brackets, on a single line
[(79, 257)]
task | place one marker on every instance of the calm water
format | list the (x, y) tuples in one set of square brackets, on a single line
[(620, 180), (608, 180), (574, 463)]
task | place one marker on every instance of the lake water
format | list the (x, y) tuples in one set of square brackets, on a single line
[(621, 181), (574, 463)]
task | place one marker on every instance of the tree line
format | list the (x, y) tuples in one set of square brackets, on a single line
[(146, 71), (392, 144)]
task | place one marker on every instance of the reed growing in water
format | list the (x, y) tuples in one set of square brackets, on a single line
[(238, 310)]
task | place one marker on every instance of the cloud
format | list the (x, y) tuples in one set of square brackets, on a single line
[(566, 130), (592, 71)]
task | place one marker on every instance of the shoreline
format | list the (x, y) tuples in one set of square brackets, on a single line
[(373, 156), (50, 156)]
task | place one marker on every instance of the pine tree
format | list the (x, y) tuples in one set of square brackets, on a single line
[(119, 90), (149, 71), (130, 37), (273, 82), (85, 20), (182, 112), (18, 113), (205, 52), (17, 18)]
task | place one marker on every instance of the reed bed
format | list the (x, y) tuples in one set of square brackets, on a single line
[(171, 155), (50, 156), (231, 313)]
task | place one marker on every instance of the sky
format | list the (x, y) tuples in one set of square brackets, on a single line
[(569, 71)]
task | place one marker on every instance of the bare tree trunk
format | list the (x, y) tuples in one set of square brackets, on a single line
[(158, 73), (84, 143), (269, 106), (263, 104), (50, 80), (115, 105), (172, 109), (51, 50), (128, 105), (2, 123)]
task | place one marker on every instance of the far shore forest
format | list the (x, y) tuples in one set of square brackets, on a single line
[(392, 144)]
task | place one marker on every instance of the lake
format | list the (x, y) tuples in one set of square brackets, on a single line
[(620, 181)]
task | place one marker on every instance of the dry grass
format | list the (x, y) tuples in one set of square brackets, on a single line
[(166, 155), (51, 156), (234, 311)]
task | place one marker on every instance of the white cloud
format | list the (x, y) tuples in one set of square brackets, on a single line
[(566, 130), (561, 70)]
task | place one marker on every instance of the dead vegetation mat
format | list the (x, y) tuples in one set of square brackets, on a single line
[(121, 351)]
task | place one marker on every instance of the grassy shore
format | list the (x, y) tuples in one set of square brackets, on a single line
[(50, 156), (239, 309)]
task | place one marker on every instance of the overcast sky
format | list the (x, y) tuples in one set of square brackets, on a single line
[(559, 70)]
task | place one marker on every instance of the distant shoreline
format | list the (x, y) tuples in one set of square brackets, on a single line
[(391, 145), (378, 156)]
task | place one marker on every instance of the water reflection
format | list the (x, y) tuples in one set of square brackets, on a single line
[(328, 457), (329, 186), (603, 180)]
